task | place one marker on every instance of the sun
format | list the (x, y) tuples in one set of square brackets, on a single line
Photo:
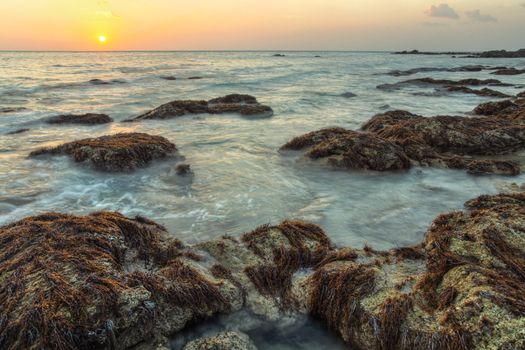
[(102, 39)]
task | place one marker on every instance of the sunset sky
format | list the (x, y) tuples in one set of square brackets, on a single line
[(261, 24)]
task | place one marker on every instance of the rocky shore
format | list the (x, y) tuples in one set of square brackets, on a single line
[(485, 54), (396, 140), (107, 281)]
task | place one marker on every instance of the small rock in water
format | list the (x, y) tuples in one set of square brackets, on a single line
[(170, 77), (195, 78), (183, 169), (348, 95), (279, 55), (222, 341), (19, 131), (86, 119), (115, 153), (12, 109)]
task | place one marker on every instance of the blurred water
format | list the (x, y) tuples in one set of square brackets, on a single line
[(241, 180)]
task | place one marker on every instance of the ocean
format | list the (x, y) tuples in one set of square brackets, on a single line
[(241, 179)]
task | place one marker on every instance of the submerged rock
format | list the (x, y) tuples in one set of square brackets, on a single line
[(115, 153), (222, 341), (105, 82), (86, 119), (245, 105), (348, 95), (482, 92), (12, 109), (183, 169), (473, 68), (443, 141), (107, 281), (18, 131)]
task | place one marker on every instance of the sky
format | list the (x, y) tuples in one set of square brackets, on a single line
[(262, 24)]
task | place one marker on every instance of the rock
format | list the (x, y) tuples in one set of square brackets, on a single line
[(503, 54), (115, 153), (351, 150), (256, 111), (473, 68), (509, 71), (245, 105), (183, 169), (348, 95), (493, 167), (105, 82), (222, 341), (18, 131), (460, 289), (99, 281), (195, 78), (169, 77), (493, 108), (392, 140), (12, 109), (279, 55), (444, 83), (521, 94), (482, 92), (85, 119), (107, 281)]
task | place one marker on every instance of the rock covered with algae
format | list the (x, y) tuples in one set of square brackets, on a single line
[(443, 141), (222, 341), (245, 105), (115, 153), (107, 281)]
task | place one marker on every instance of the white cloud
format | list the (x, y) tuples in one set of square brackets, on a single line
[(477, 16), (443, 11)]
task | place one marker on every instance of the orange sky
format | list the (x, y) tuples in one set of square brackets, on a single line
[(257, 24)]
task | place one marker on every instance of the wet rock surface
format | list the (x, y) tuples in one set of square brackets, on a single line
[(509, 71), (396, 139), (445, 83), (245, 105), (222, 341), (85, 119), (18, 131), (107, 281), (115, 153), (472, 68)]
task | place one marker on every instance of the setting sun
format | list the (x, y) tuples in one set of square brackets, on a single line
[(102, 39)]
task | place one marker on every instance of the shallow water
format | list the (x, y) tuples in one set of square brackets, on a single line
[(241, 180)]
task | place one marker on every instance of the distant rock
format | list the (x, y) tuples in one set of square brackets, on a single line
[(115, 153), (195, 78), (442, 82), (19, 131), (486, 54), (429, 53), (85, 119), (509, 71), (245, 105), (348, 95), (105, 82), (222, 341), (279, 55), (503, 54), (482, 92), (169, 77), (474, 68), (12, 109)]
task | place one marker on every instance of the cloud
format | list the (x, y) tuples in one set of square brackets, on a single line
[(442, 10), (477, 16)]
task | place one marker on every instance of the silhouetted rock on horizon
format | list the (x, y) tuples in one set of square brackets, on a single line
[(115, 153), (429, 53), (86, 119), (245, 105), (485, 54), (503, 54), (107, 281)]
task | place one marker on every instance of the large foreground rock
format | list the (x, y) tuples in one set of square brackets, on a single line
[(107, 281), (114, 153), (443, 141), (245, 105)]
